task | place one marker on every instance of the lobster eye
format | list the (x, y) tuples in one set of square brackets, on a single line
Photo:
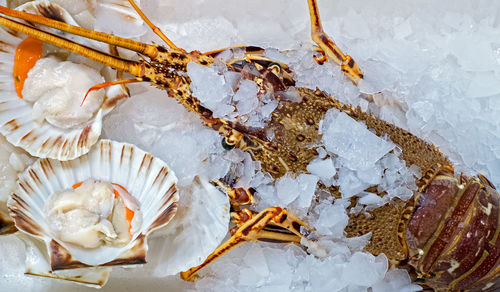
[(225, 145), (275, 68)]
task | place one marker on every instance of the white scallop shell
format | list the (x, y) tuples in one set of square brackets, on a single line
[(16, 122), (12, 161), (146, 178), (200, 225)]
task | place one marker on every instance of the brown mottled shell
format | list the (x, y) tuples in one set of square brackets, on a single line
[(146, 178), (453, 234), (16, 123), (295, 128)]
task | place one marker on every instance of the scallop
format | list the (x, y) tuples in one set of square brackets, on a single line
[(12, 161), (47, 117), (114, 178), (201, 224)]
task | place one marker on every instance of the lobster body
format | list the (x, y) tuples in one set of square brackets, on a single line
[(447, 235)]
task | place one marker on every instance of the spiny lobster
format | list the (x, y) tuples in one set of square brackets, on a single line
[(446, 235)]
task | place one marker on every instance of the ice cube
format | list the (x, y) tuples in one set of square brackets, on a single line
[(371, 175), (326, 275), (322, 168), (473, 52), (396, 280), (372, 268), (332, 219), (484, 84), (372, 200), (287, 189), (279, 267), (306, 186), (352, 141), (357, 25), (402, 29), (246, 97), (210, 87), (256, 261), (202, 33), (349, 183)]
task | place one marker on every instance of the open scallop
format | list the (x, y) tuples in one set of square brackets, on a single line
[(44, 117), (145, 184)]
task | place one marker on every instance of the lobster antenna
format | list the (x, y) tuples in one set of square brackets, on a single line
[(145, 49), (105, 59), (155, 29)]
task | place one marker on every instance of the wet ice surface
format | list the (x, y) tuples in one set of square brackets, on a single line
[(438, 66)]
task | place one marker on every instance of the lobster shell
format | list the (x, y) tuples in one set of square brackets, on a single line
[(452, 235)]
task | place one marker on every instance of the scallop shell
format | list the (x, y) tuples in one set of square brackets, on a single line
[(37, 264), (12, 161), (16, 123), (201, 223), (146, 178)]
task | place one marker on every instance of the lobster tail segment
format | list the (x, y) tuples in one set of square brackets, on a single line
[(453, 234)]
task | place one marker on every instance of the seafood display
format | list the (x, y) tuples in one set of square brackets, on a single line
[(442, 229)]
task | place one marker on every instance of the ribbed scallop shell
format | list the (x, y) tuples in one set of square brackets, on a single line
[(12, 161), (146, 178), (16, 123), (201, 223)]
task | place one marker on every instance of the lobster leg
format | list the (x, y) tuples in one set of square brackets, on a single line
[(107, 84), (252, 230), (238, 196), (293, 230), (248, 49), (331, 50)]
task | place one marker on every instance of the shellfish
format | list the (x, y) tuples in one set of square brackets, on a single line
[(40, 210), (47, 122)]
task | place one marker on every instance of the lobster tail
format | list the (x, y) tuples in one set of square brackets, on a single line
[(453, 234)]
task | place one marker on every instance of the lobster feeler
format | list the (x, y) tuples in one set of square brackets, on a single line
[(153, 27)]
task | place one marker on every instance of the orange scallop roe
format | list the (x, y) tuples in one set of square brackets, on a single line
[(129, 214), (27, 54)]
